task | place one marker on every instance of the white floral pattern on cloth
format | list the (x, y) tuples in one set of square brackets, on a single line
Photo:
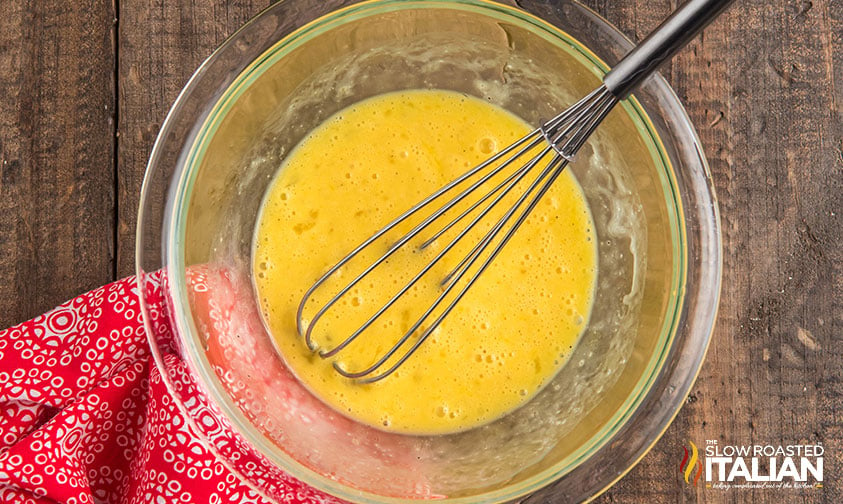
[(86, 418)]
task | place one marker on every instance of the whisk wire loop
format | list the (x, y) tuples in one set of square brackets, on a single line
[(407, 334), (300, 320), (510, 182), (555, 166), (563, 135), (533, 140)]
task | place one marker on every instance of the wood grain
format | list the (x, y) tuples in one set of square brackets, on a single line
[(161, 43), (56, 153), (763, 85)]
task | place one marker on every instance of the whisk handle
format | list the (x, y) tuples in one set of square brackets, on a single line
[(674, 32)]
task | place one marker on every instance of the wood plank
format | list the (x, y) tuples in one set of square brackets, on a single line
[(161, 43), (763, 88), (56, 153)]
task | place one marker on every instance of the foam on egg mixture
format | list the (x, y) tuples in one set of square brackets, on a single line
[(505, 340)]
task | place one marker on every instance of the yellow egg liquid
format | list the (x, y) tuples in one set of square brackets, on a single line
[(504, 340)]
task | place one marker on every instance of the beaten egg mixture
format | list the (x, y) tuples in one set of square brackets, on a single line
[(505, 340)]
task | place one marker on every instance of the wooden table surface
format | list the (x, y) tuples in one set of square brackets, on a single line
[(85, 85)]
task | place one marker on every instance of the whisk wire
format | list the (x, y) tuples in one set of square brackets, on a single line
[(488, 195), (487, 240), (534, 138), (573, 125), (526, 168), (510, 182), (308, 332), (566, 133), (604, 106)]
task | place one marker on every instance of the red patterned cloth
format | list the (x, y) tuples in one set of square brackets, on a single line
[(85, 416)]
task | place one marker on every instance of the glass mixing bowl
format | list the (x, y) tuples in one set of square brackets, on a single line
[(296, 64)]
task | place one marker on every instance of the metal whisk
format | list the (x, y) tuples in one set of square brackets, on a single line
[(561, 137)]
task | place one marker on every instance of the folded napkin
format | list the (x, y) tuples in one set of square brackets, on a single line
[(85, 416)]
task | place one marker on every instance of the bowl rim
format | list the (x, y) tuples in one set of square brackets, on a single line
[(175, 261)]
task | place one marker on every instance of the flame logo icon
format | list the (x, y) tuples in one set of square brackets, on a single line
[(687, 467)]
